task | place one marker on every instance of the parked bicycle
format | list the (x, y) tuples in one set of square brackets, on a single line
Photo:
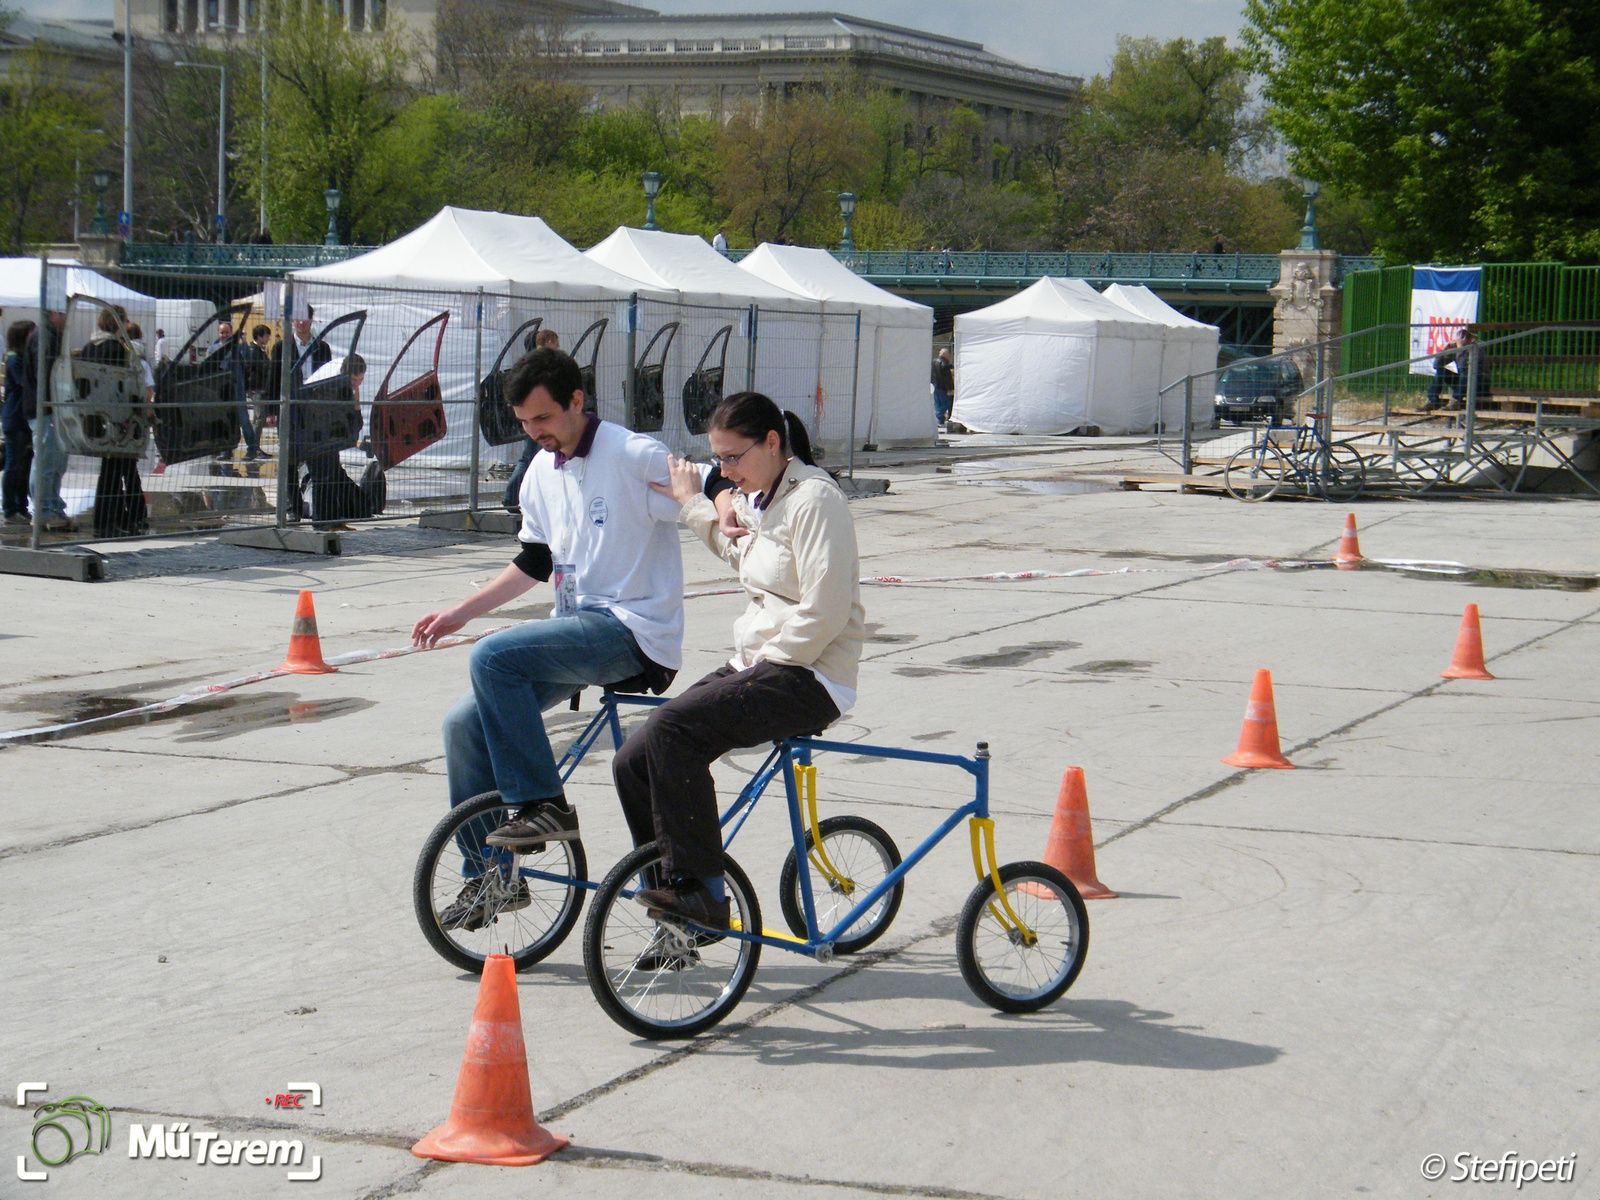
[(1296, 457)]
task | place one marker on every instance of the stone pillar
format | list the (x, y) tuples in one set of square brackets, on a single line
[(99, 249), (1310, 306)]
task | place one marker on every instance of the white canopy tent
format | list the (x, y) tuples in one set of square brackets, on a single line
[(523, 270), (19, 300), (893, 407), (1190, 349), (1055, 357), (804, 354)]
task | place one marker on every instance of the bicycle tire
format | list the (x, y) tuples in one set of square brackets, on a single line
[(527, 933), (1256, 473), (1340, 473), (1005, 974), (647, 982), (864, 854)]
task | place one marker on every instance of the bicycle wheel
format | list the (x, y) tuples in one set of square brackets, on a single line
[(474, 900), (661, 979), (863, 854), (1000, 969), (1340, 473), (1257, 472)]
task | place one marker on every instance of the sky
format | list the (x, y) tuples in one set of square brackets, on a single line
[(1075, 38)]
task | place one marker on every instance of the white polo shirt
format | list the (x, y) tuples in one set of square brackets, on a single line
[(599, 513)]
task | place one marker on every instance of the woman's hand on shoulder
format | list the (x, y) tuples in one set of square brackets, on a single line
[(683, 481)]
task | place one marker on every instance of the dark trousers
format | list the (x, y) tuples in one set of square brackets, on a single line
[(19, 465), (334, 495), (663, 771), (119, 507), (513, 496)]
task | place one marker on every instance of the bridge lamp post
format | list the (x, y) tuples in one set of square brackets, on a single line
[(1309, 239), (331, 198), (847, 209), (652, 189), (101, 178)]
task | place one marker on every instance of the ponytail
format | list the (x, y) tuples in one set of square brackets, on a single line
[(752, 415)]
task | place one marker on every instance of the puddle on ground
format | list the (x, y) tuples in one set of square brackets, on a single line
[(1532, 579), (1044, 487), (1111, 666), (211, 720), (931, 737), (920, 672), (1013, 656)]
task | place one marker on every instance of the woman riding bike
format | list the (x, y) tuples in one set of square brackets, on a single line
[(796, 648)]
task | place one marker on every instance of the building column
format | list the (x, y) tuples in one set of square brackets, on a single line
[(1310, 305)]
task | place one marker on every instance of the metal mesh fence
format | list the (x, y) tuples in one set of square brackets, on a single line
[(230, 403)]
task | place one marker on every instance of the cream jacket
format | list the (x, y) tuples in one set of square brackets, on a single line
[(800, 568)]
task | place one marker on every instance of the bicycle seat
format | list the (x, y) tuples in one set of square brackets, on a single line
[(654, 679)]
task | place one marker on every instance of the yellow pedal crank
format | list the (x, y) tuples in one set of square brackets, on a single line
[(986, 826)]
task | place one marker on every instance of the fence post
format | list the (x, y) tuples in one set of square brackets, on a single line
[(1324, 394), (750, 350), (630, 341), (41, 403), (855, 391), (287, 466), (1188, 424), (477, 406)]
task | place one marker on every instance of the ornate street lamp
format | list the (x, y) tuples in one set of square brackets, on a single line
[(332, 197), (101, 178), (847, 209), (1309, 240), (652, 188)]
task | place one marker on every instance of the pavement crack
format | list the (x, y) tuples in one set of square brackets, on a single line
[(615, 1160)]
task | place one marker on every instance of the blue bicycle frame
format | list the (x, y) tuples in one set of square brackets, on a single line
[(784, 757)]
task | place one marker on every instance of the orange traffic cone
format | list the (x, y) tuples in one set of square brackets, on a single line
[(1468, 660), (305, 648), (1070, 847), (1349, 556), (1258, 739), (491, 1119)]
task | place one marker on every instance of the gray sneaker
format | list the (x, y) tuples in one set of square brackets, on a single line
[(536, 824)]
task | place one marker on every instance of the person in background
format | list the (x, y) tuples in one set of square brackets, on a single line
[(720, 242), (944, 386), (49, 460), (119, 507), (545, 339), (239, 358), (14, 423)]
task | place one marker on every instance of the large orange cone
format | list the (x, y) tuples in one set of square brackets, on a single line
[(491, 1120), (1468, 660), (1349, 556), (1258, 739), (305, 648), (1070, 848)]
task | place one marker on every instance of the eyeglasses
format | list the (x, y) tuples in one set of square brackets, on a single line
[(732, 460)]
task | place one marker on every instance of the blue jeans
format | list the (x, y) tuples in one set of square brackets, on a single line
[(494, 737), (251, 444), (513, 497), (49, 465)]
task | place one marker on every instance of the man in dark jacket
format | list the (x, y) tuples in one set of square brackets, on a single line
[(49, 461), (944, 386)]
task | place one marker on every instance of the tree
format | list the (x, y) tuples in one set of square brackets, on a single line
[(1192, 94), (1472, 131), (45, 123), (781, 167), (332, 98)]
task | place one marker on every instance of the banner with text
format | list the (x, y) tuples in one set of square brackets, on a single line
[(1443, 299)]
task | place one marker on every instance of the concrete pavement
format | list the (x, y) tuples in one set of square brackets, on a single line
[(1313, 979)]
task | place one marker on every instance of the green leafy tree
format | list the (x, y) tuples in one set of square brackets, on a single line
[(1471, 131), (45, 121), (1193, 94)]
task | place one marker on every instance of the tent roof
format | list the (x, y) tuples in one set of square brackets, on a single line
[(462, 248), (1059, 306), (1140, 299), (821, 276), (689, 265), (19, 283)]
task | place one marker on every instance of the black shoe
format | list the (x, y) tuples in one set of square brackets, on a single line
[(483, 899), (686, 900), (535, 824)]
